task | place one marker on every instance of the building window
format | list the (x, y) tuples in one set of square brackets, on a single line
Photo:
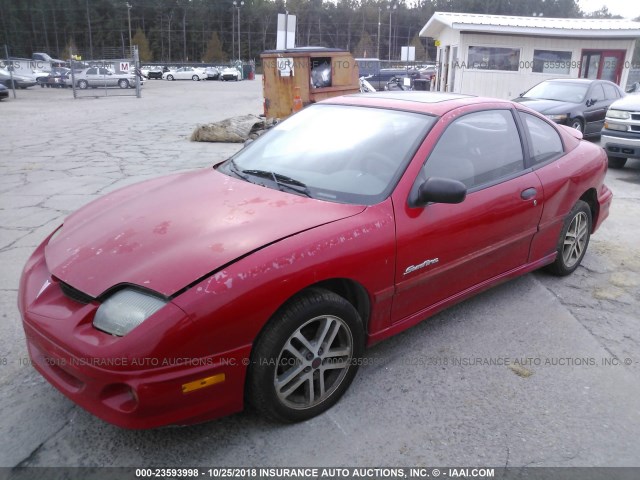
[(494, 58), (550, 61)]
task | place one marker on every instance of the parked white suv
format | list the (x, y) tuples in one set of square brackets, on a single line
[(620, 136)]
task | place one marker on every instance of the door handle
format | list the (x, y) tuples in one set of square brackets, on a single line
[(528, 194)]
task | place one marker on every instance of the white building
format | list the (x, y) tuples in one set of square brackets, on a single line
[(502, 56)]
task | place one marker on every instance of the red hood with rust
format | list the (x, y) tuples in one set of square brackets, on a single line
[(164, 234)]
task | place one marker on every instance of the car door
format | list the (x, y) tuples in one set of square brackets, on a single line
[(91, 76), (596, 108), (445, 250), (106, 78)]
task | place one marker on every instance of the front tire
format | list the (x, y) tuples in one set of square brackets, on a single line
[(195, 78), (170, 77), (617, 162), (577, 124), (306, 357), (573, 241), (83, 84)]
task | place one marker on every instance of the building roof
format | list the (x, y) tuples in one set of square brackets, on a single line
[(536, 26)]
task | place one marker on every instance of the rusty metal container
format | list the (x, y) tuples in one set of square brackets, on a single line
[(319, 73)]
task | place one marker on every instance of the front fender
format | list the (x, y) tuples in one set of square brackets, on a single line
[(229, 308)]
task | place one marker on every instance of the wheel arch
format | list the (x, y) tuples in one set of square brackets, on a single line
[(352, 291), (590, 197)]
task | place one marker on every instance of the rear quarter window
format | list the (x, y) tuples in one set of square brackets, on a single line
[(544, 141)]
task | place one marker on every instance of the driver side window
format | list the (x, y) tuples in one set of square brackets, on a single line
[(477, 149)]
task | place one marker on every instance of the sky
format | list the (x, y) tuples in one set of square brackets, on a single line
[(629, 9)]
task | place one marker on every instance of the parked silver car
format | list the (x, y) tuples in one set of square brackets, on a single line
[(95, 77), (19, 81)]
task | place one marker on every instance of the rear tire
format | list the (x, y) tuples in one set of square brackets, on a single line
[(306, 357), (617, 162), (83, 84), (170, 77), (573, 241), (195, 78), (124, 83)]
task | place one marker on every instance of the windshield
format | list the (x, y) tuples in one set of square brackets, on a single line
[(562, 91), (337, 153)]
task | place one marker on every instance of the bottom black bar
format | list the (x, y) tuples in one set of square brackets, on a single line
[(321, 473)]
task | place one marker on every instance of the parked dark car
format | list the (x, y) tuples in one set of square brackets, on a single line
[(380, 79), (56, 77), (4, 92), (577, 102)]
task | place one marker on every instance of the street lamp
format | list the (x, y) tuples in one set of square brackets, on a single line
[(129, 17), (238, 5), (391, 8)]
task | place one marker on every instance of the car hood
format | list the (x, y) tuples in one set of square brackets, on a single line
[(166, 233), (630, 102), (547, 106)]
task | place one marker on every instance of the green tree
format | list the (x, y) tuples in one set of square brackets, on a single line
[(214, 50), (69, 50), (421, 51), (602, 13), (144, 52), (365, 47)]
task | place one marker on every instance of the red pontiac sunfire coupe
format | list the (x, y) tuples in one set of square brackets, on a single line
[(263, 278)]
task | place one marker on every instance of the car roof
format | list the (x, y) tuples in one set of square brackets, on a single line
[(433, 103)]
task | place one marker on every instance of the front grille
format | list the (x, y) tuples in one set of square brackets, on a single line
[(75, 294), (635, 116)]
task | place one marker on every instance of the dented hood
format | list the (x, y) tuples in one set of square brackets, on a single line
[(166, 233)]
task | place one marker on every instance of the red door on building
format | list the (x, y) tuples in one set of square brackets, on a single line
[(602, 64)]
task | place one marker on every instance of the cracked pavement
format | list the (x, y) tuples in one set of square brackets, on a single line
[(429, 396)]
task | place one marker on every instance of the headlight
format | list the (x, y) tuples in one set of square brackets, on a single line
[(615, 126), (557, 118), (125, 310), (618, 114)]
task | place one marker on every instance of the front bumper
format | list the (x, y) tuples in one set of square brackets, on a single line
[(621, 144), (107, 376)]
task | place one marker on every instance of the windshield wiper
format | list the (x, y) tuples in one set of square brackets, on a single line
[(281, 181), (233, 168)]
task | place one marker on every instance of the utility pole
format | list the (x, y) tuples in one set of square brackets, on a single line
[(129, 17), (378, 54), (89, 25), (391, 8), (237, 5)]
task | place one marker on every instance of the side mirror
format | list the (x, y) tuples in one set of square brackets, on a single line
[(441, 190), (591, 101), (522, 94)]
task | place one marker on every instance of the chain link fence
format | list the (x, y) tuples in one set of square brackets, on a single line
[(111, 77)]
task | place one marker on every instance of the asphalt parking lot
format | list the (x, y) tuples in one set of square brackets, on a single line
[(438, 394)]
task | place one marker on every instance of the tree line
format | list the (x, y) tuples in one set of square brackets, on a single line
[(221, 30)]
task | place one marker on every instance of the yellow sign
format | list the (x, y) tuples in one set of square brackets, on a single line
[(437, 43)]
